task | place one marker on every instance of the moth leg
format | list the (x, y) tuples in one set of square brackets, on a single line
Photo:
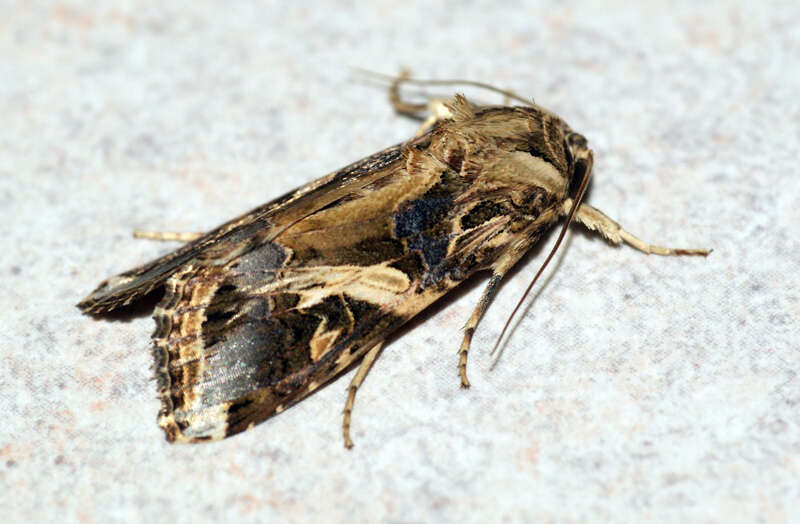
[(167, 236), (436, 107), (469, 329), (400, 105), (499, 270), (438, 111), (358, 379), (596, 220)]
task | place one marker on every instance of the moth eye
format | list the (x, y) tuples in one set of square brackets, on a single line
[(578, 173), (568, 154)]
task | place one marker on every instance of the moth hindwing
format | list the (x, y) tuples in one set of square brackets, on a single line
[(261, 311)]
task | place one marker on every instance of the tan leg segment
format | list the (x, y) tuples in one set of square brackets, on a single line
[(596, 220), (358, 379), (438, 111), (167, 236), (499, 270), (472, 323)]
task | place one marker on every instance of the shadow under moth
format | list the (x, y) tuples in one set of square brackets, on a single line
[(263, 310)]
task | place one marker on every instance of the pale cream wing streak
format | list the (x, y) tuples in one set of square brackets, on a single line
[(376, 284)]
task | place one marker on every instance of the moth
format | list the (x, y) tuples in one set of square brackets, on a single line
[(263, 310)]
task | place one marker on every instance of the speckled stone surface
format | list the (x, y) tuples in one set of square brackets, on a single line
[(633, 388)]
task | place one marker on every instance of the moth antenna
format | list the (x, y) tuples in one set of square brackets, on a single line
[(367, 74), (405, 78), (575, 204), (480, 85)]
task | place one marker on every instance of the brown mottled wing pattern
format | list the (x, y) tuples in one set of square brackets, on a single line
[(263, 310), (239, 342)]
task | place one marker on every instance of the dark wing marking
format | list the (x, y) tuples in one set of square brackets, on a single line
[(239, 342), (263, 310), (232, 350), (236, 345)]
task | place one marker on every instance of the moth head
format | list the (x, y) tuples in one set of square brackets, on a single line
[(579, 160)]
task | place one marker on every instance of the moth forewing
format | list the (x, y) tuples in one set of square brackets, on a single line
[(260, 312)]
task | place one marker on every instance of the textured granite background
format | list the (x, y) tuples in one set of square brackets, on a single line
[(633, 388)]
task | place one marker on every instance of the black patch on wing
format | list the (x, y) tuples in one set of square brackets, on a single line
[(360, 309), (427, 211), (432, 248), (423, 223), (281, 377), (250, 347), (411, 264), (284, 301), (334, 311), (421, 214), (481, 213)]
